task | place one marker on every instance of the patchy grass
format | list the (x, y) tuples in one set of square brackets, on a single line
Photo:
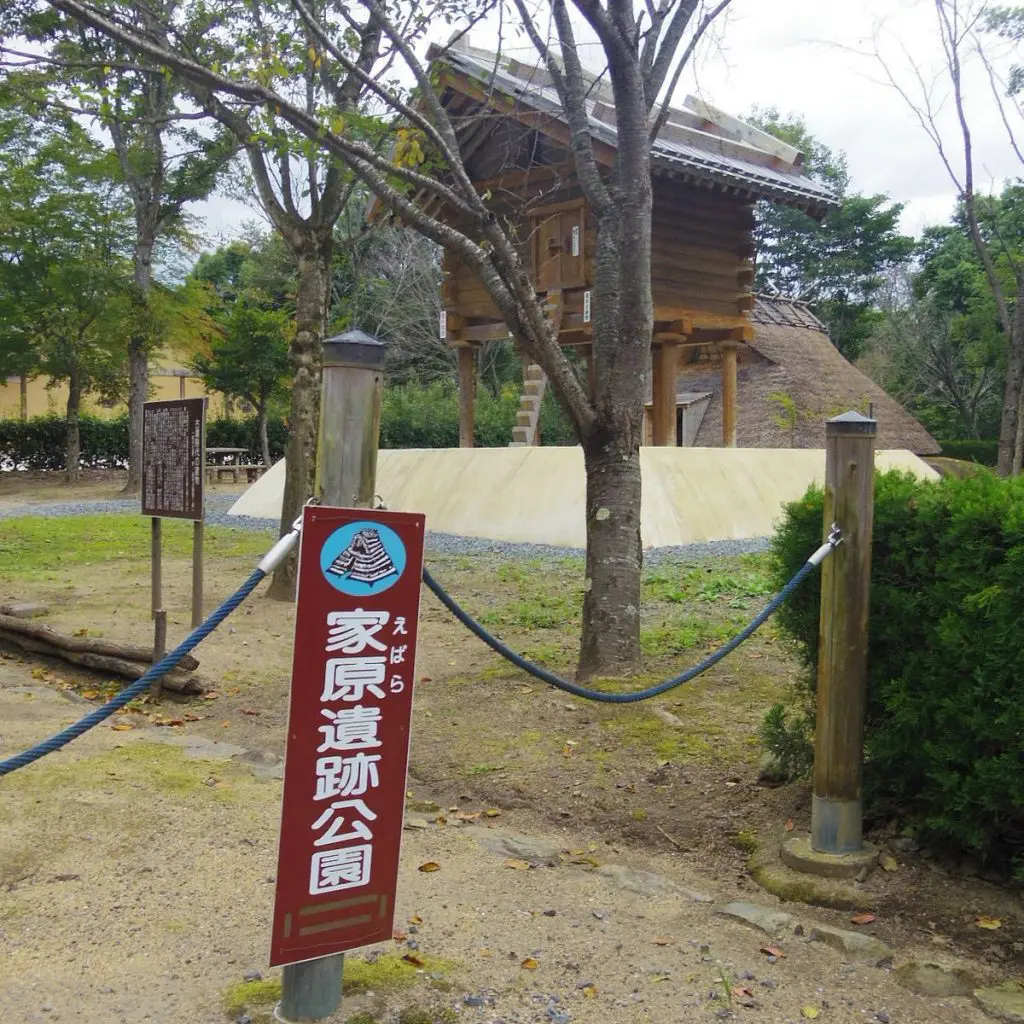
[(389, 971), (247, 995), (28, 543), (733, 582)]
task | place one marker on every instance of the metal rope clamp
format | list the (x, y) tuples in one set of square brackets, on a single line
[(832, 541)]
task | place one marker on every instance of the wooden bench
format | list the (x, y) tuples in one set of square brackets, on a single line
[(251, 471)]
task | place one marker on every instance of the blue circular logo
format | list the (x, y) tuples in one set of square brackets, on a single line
[(363, 558)]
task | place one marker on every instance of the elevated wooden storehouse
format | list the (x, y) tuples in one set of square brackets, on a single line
[(709, 170)]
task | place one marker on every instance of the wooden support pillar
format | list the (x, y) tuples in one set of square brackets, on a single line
[(467, 394), (728, 349), (663, 393)]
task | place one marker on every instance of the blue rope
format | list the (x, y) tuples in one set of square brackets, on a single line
[(618, 698), (143, 683)]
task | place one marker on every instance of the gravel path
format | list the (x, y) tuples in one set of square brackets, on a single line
[(438, 543)]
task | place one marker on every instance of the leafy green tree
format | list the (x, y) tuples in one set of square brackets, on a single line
[(166, 158), (64, 272), (934, 360), (250, 359), (837, 266)]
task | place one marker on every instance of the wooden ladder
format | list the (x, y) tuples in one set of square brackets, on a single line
[(535, 382)]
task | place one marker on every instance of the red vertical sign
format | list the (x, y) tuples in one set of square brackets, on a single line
[(348, 731)]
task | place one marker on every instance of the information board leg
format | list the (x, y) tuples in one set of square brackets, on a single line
[(311, 990), (350, 401), (155, 574), (159, 615), (197, 573)]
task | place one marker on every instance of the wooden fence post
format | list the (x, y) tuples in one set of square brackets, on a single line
[(346, 475), (836, 815), (836, 847)]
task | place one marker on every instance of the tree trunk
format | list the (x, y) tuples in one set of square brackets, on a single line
[(311, 307), (138, 363), (264, 441), (73, 457), (623, 323), (1018, 444), (610, 644), (1008, 439), (23, 399)]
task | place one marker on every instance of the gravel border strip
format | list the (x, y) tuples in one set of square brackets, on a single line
[(437, 543)]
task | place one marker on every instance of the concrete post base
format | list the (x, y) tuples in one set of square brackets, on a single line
[(798, 854)]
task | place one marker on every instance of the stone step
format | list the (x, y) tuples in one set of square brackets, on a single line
[(524, 419)]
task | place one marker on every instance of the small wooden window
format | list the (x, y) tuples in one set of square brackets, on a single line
[(559, 245)]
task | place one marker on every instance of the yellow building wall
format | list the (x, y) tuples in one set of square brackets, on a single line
[(43, 401)]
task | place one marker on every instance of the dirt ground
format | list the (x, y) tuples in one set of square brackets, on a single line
[(133, 879)]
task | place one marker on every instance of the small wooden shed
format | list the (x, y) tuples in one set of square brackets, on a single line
[(709, 170)]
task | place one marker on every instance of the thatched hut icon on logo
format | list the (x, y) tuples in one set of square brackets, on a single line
[(363, 558)]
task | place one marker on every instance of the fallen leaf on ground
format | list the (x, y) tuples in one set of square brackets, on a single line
[(742, 990), (517, 865), (412, 958), (663, 940), (399, 936), (862, 918), (426, 679), (772, 951), (121, 727), (251, 711), (485, 952), (90, 694), (991, 923), (415, 919), (492, 812), (789, 825), (441, 820), (530, 964), (81, 632), (431, 865), (810, 1012), (466, 816), (589, 991), (591, 862), (888, 862), (37, 673), (211, 695), (224, 725)]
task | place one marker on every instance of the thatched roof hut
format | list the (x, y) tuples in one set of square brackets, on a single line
[(791, 378)]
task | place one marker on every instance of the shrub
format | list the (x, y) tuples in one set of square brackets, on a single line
[(945, 712), (984, 452), (41, 442), (427, 416)]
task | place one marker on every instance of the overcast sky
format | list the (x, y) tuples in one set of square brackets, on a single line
[(814, 58)]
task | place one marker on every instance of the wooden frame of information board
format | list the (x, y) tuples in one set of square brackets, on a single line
[(173, 487)]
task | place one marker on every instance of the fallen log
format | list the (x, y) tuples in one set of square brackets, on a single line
[(84, 644), (177, 681)]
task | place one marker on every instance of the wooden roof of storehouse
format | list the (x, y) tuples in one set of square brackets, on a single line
[(699, 144), (794, 363)]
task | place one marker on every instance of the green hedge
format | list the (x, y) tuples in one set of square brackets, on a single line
[(412, 416), (984, 452), (417, 416), (945, 717), (41, 443)]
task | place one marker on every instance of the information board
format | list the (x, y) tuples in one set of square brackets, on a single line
[(348, 731), (173, 458)]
